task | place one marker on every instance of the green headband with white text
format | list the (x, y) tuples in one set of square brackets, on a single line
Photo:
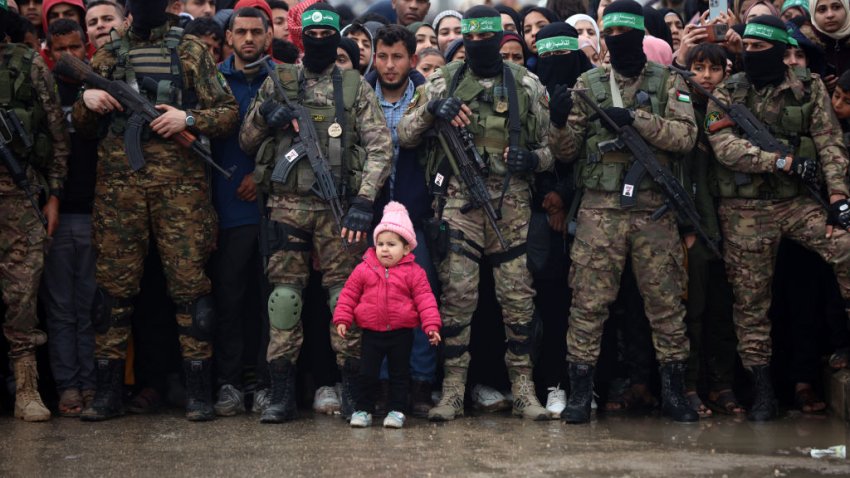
[(322, 18), (481, 25)]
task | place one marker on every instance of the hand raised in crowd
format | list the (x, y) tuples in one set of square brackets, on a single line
[(51, 213), (554, 206), (101, 102), (172, 121), (341, 329), (692, 37), (434, 337), (247, 190), (451, 109)]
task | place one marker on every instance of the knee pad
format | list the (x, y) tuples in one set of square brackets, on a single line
[(284, 307), (202, 311), (333, 297), (101, 311)]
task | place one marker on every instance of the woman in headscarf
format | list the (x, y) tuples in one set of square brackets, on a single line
[(831, 23), (533, 19), (510, 18), (761, 7), (676, 25), (513, 49), (447, 26), (426, 36), (586, 27)]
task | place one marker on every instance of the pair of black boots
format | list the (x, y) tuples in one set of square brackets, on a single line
[(282, 407), (109, 398), (674, 403)]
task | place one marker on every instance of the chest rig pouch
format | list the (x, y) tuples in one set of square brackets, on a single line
[(17, 95), (604, 163), (330, 104), (789, 120)]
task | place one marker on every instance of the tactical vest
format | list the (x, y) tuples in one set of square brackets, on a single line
[(490, 115), (153, 69), (790, 124), (17, 94), (602, 168), (347, 165)]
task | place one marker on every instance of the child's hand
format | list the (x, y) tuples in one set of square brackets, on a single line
[(341, 329), (433, 337)]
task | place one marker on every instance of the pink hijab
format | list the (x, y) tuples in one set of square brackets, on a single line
[(657, 50)]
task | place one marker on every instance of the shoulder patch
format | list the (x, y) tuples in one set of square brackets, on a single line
[(417, 95), (221, 79), (544, 99), (683, 96), (711, 118)]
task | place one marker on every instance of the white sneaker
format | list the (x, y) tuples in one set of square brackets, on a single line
[(326, 401), (489, 399), (394, 420), (262, 398), (556, 401), (361, 420)]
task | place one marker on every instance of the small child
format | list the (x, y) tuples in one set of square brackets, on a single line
[(387, 295), (841, 104)]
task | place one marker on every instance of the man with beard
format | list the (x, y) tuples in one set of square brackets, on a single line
[(235, 265), (644, 95), (482, 89), (168, 197), (354, 139), (763, 197)]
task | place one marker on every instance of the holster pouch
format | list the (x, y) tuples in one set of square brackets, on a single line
[(437, 237)]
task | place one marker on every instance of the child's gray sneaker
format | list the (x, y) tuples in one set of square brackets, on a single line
[(394, 420), (361, 419)]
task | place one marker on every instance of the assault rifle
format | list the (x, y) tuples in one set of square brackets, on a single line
[(141, 111), (646, 162), (755, 131), (306, 144), (11, 127), (459, 145)]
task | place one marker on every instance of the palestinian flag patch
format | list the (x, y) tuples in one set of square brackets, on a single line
[(683, 97)]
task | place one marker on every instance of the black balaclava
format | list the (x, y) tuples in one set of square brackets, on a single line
[(555, 70), (766, 67), (352, 49), (483, 56), (319, 53), (147, 15), (626, 49), (654, 21)]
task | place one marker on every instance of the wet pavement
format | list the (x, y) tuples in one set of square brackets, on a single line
[(166, 445)]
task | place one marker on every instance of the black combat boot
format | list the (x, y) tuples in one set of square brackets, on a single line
[(350, 370), (198, 390), (282, 403), (108, 398), (581, 393), (673, 401), (764, 405)]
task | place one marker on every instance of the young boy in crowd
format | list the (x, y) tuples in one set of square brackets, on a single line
[(210, 33), (841, 104), (429, 60)]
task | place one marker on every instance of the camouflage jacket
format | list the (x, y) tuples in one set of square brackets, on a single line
[(737, 153), (56, 171), (216, 114)]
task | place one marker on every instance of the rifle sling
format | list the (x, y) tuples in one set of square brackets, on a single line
[(336, 151)]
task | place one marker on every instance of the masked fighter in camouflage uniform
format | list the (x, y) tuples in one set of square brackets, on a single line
[(355, 140), (481, 89), (168, 197), (763, 197), (658, 106), (28, 90)]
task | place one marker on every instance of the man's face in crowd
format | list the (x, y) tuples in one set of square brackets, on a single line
[(393, 63), (248, 38), (429, 64), (707, 74), (343, 62), (213, 44), (841, 103), (449, 31), (64, 10), (795, 57), (31, 9), (281, 23), (410, 11), (71, 43), (755, 45), (365, 45), (100, 20), (200, 8)]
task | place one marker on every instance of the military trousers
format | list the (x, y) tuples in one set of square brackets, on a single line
[(129, 211), (22, 245), (605, 238), (291, 268), (472, 239), (752, 230)]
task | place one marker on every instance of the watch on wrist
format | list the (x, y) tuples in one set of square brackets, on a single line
[(781, 162), (190, 120)]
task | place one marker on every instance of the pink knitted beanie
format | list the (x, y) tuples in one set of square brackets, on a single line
[(396, 220)]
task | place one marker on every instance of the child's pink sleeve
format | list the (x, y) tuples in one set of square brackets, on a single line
[(426, 304), (349, 297)]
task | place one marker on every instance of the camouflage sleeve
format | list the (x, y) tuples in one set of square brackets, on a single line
[(676, 132), (87, 122), (732, 149), (217, 112), (565, 142), (827, 136), (375, 138), (417, 120), (254, 129), (539, 108), (48, 95)]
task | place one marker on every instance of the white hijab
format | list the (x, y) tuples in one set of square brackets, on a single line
[(842, 32), (581, 17)]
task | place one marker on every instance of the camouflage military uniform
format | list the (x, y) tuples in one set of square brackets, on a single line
[(774, 205), (168, 197), (472, 236), (22, 236), (606, 234), (368, 148)]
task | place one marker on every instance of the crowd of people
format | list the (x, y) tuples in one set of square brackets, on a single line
[(231, 205)]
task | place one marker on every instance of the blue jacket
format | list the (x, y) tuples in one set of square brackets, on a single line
[(232, 211), (411, 188)]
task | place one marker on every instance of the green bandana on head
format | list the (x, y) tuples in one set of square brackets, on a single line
[(560, 43), (767, 32), (320, 18), (481, 25), (804, 4), (622, 19)]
